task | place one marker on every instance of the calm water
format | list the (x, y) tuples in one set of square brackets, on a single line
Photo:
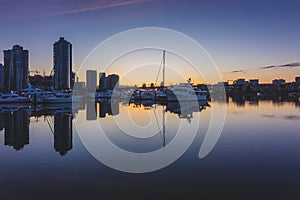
[(256, 156)]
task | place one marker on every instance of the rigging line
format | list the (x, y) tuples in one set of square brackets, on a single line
[(49, 124), (159, 70)]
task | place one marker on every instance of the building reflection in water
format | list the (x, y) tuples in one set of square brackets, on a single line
[(15, 120), (16, 128), (239, 100), (110, 107), (63, 135), (2, 124), (91, 110)]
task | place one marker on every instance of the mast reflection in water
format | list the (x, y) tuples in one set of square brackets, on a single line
[(259, 139)]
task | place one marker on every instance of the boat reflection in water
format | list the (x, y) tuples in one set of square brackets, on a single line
[(185, 109)]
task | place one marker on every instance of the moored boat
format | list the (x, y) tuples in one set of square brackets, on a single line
[(186, 92), (62, 97), (13, 98), (145, 95)]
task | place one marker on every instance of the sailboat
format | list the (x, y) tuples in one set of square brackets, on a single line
[(181, 92)]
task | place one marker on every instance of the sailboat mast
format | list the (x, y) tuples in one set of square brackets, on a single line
[(164, 66), (164, 127)]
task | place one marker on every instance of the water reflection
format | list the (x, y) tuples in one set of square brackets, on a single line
[(257, 142), (185, 110), (108, 106), (63, 132), (91, 110), (15, 119), (16, 126), (241, 100)]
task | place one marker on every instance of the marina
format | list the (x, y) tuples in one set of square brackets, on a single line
[(149, 99)]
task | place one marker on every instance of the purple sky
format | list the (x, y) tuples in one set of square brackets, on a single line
[(243, 37)]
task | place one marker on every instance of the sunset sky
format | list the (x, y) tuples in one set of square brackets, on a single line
[(246, 39)]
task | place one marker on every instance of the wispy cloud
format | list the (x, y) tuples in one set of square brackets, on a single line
[(97, 6), (269, 67), (290, 65), (296, 64), (20, 9), (238, 71)]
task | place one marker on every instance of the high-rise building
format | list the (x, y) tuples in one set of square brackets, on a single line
[(15, 69), (102, 81), (62, 59), (112, 81), (1, 78), (297, 79), (91, 80)]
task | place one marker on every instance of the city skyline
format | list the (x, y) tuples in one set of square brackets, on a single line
[(244, 39), (68, 45)]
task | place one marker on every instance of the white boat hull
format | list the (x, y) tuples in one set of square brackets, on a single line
[(173, 97)]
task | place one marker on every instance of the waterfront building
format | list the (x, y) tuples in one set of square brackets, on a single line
[(110, 82), (297, 79), (15, 69), (219, 84), (62, 59), (254, 82), (240, 81), (79, 87), (102, 81), (91, 80), (72, 82), (278, 81), (44, 82)]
